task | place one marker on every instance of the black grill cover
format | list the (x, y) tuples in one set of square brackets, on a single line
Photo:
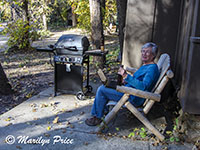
[(72, 44)]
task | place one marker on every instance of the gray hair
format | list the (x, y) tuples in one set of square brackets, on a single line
[(153, 46)]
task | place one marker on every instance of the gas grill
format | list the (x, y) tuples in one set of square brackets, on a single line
[(70, 53)]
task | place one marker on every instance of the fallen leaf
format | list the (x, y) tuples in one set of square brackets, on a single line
[(43, 105), (82, 113), (71, 126), (76, 105), (165, 148), (56, 120), (29, 95), (56, 113), (33, 105), (46, 135), (66, 111), (8, 124), (52, 103), (109, 134), (34, 110), (64, 131), (51, 98), (169, 132), (18, 147), (68, 123), (28, 123), (85, 143), (63, 110), (49, 128), (8, 119), (117, 128)]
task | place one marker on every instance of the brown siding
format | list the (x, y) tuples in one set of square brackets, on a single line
[(174, 23), (188, 58)]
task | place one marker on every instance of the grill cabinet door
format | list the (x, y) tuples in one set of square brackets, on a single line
[(68, 82)]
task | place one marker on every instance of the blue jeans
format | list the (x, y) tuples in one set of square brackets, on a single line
[(103, 95)]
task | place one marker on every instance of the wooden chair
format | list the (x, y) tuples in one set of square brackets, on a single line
[(151, 97)]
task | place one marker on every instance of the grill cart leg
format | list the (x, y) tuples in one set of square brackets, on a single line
[(55, 79), (88, 69), (88, 87)]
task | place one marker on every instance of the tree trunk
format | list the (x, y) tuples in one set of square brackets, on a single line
[(97, 26), (5, 87), (121, 17), (15, 12), (44, 17), (74, 20), (27, 17), (44, 21)]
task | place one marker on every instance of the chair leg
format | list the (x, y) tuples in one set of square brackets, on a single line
[(111, 114), (144, 120)]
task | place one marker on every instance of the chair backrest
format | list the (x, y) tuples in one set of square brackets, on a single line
[(163, 65)]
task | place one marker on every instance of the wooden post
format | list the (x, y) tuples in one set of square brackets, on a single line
[(144, 121), (112, 113)]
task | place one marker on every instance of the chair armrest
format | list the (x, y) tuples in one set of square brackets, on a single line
[(131, 70), (139, 93)]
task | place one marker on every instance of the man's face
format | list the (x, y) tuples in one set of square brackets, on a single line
[(147, 55)]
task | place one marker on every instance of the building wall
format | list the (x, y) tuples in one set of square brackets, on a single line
[(138, 30), (188, 58), (170, 24), (150, 20)]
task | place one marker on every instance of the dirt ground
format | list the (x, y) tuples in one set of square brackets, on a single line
[(31, 72)]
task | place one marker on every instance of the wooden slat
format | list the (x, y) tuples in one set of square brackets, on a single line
[(144, 120), (159, 89), (139, 93), (113, 112), (102, 76), (163, 65)]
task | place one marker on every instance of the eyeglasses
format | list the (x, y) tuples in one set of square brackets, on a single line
[(147, 52)]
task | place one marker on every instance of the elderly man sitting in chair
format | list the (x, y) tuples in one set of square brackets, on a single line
[(144, 79)]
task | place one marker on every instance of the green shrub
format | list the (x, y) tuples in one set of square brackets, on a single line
[(17, 33)]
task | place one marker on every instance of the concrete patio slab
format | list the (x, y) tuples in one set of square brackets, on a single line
[(45, 122)]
